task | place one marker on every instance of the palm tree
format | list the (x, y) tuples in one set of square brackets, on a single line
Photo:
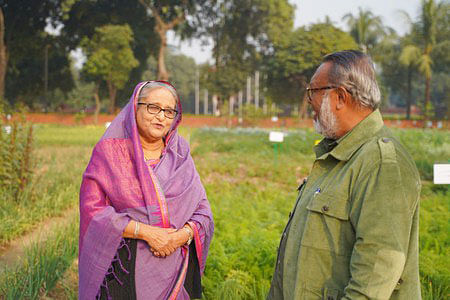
[(419, 53), (365, 28), (409, 57)]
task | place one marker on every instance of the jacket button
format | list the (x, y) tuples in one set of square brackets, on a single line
[(325, 208)]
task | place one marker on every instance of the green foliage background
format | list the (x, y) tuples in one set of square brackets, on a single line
[(251, 189)]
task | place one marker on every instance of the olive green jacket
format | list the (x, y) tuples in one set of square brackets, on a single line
[(353, 233)]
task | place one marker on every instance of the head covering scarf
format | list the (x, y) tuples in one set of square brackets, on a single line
[(118, 186)]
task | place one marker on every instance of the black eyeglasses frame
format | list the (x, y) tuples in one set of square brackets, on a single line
[(309, 91), (160, 109)]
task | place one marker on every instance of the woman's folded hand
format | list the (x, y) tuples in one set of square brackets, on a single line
[(160, 240), (179, 237)]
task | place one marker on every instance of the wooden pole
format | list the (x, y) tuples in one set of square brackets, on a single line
[(205, 103), (240, 96), (249, 90), (197, 94), (257, 89)]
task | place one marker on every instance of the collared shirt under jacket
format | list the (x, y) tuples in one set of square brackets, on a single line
[(353, 232)]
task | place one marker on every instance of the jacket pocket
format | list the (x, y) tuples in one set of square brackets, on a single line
[(335, 206), (327, 226)]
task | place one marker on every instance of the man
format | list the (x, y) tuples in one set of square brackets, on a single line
[(353, 233)]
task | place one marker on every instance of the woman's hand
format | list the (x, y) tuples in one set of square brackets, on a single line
[(179, 237), (160, 240)]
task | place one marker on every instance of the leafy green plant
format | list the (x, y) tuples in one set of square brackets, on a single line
[(43, 266), (16, 158), (63, 153), (427, 147), (250, 193), (251, 196)]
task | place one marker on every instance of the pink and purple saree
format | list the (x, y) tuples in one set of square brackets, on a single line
[(118, 186)]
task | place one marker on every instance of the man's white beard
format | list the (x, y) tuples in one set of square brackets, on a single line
[(326, 123)]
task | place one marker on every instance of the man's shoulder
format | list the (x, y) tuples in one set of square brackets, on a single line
[(384, 148), (387, 149)]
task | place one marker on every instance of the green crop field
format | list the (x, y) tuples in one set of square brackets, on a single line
[(251, 189)]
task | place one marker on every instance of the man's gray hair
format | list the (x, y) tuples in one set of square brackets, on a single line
[(354, 71)]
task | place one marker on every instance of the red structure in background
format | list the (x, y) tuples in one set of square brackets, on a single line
[(210, 121), (401, 110)]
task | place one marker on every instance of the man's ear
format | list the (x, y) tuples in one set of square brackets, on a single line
[(342, 98)]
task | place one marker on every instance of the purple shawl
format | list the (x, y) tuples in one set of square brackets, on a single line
[(118, 186)]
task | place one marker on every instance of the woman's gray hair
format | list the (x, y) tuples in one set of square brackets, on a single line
[(354, 71), (149, 86)]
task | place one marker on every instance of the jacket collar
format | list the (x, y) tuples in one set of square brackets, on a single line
[(344, 147)]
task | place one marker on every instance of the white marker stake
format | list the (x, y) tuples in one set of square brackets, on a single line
[(441, 173), (276, 137)]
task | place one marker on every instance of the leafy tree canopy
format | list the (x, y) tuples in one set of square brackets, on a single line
[(109, 57), (25, 41), (83, 17), (298, 55), (366, 28)]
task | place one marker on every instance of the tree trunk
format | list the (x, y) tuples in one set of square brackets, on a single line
[(161, 28), (408, 94), (97, 103), (303, 109), (162, 71), (3, 56), (230, 111), (427, 100), (112, 90)]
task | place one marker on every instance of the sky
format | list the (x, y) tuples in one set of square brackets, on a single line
[(312, 11)]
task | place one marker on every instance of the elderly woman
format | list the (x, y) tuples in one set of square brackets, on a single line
[(141, 206)]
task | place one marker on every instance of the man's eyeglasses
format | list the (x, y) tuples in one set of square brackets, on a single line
[(309, 91), (155, 109)]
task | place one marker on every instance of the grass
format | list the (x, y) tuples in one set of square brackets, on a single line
[(251, 189), (426, 146), (251, 195), (249, 210), (62, 154), (434, 238), (44, 265), (55, 189), (60, 135)]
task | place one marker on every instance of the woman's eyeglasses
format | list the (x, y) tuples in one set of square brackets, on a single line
[(155, 109)]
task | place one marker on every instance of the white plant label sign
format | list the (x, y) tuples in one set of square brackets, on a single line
[(276, 136), (441, 173)]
